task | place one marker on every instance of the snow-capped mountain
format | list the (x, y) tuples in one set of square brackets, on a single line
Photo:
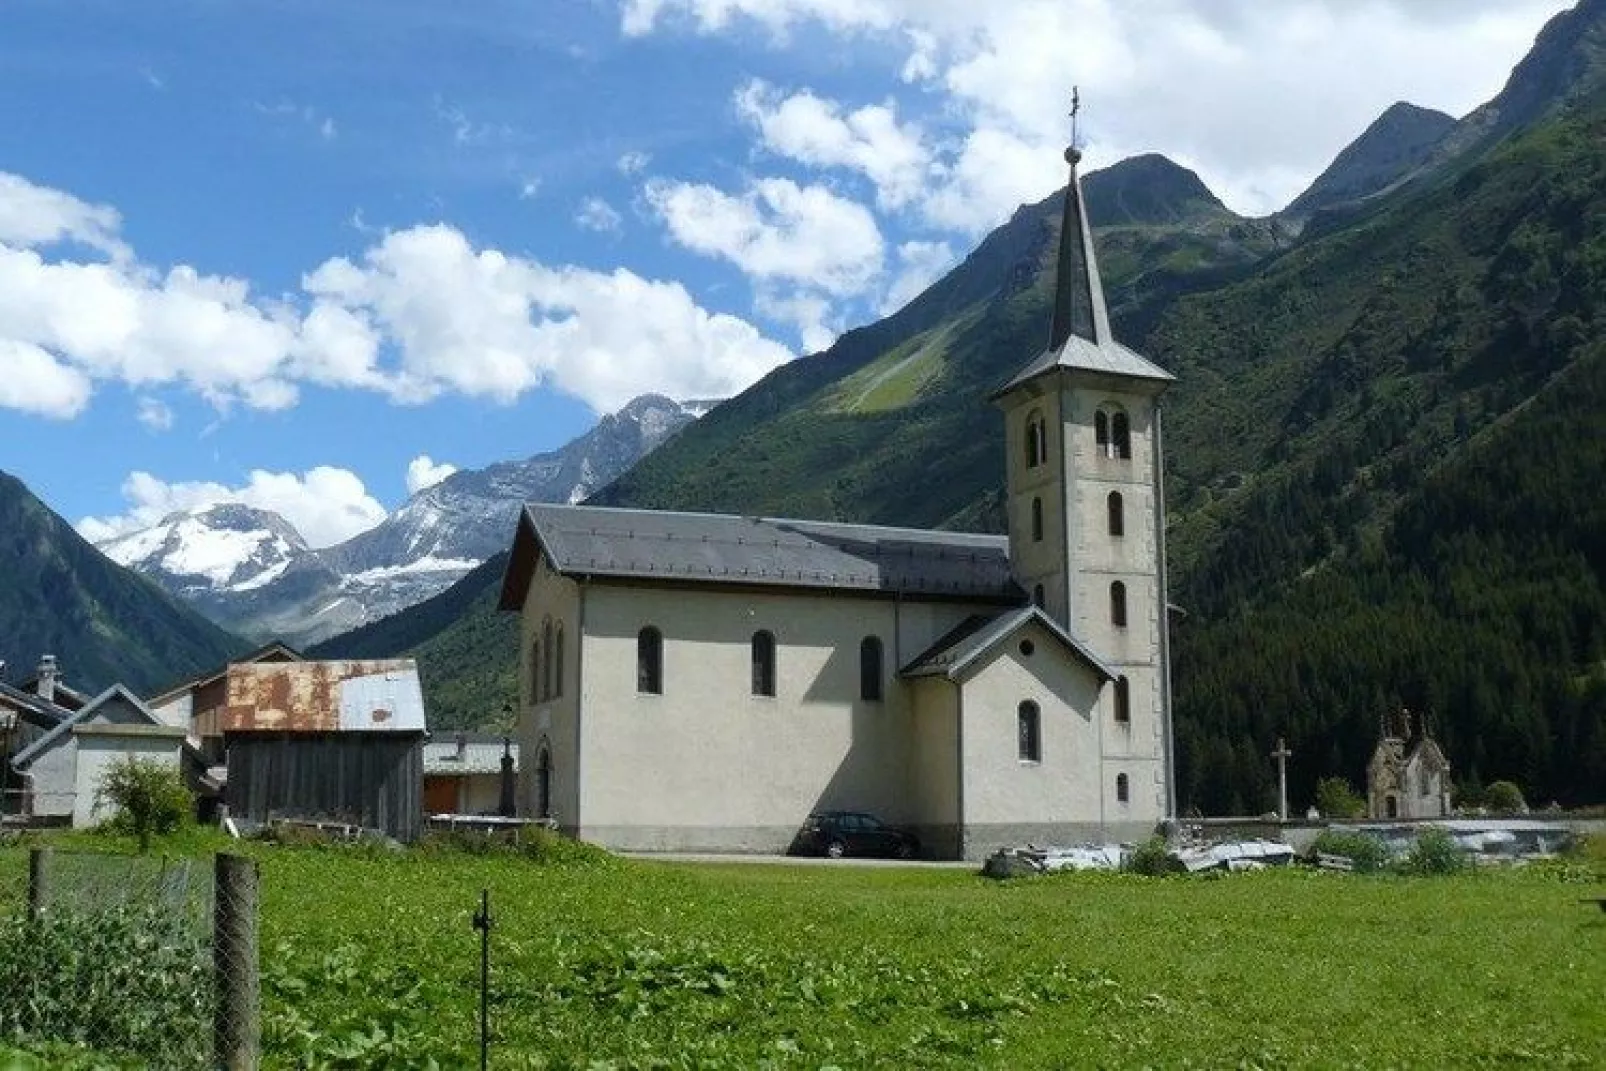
[(250, 571)]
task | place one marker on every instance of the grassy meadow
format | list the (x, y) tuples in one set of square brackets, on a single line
[(370, 960)]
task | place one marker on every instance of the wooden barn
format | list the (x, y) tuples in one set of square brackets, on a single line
[(326, 741)]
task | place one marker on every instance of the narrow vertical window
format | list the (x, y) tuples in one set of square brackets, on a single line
[(1101, 432), (546, 659), (1037, 520), (535, 672), (763, 663), (1042, 441), (1031, 439), (1037, 596), (1118, 604), (1029, 731), (870, 668), (650, 661), (1123, 791), (1117, 511), (1123, 701), (1120, 437), (557, 665)]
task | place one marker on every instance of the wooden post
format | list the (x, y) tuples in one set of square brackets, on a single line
[(238, 1017), (38, 883)]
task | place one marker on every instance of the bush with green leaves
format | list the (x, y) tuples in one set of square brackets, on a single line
[(1504, 797), (150, 797), (1335, 799), (1366, 853), (132, 983), (1152, 858), (1435, 851)]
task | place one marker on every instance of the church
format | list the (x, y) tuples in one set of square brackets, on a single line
[(697, 682)]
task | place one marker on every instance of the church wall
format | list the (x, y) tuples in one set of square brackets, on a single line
[(553, 723), (1037, 561), (709, 766), (936, 788), (1068, 796)]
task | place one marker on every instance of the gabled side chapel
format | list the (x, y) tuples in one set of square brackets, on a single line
[(703, 682)]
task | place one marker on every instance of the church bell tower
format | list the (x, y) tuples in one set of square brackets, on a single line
[(1086, 512)]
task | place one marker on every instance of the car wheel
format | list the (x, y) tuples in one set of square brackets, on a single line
[(906, 850), (836, 849)]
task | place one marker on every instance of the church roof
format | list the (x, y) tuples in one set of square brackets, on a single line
[(712, 548), (978, 634), (1079, 337)]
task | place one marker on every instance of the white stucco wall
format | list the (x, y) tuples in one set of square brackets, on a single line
[(177, 710), (935, 765), (551, 723), (52, 779), (98, 749)]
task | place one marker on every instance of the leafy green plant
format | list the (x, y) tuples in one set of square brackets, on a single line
[(151, 798), (1152, 858), (1366, 853), (1504, 797), (1434, 851), (1336, 799)]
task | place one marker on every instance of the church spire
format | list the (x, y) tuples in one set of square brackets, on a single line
[(1079, 307)]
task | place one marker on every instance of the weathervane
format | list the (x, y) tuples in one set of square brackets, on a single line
[(1073, 155)]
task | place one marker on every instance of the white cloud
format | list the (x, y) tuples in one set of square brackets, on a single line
[(529, 188), (423, 472), (919, 265), (596, 214), (777, 230), (326, 505), (419, 314), (634, 162), (818, 132), (154, 414), (1258, 97), (479, 322), (811, 312)]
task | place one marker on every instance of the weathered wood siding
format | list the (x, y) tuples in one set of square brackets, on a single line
[(375, 780)]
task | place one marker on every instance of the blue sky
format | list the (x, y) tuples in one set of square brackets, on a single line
[(310, 255)]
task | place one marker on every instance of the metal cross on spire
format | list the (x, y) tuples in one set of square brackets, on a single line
[(1076, 109)]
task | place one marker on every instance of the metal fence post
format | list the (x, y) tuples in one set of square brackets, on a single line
[(38, 883), (482, 923), (238, 1024)]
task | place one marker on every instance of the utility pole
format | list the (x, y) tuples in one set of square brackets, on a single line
[(1282, 755)]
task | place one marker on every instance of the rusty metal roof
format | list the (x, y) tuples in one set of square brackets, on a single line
[(324, 697)]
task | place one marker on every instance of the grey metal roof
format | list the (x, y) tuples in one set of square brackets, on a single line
[(1080, 355), (484, 756), (972, 638), (83, 714), (716, 548), (39, 712)]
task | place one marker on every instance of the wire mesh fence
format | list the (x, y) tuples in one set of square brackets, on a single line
[(134, 959)]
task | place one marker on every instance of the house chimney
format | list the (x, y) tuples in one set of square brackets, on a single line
[(462, 746), (45, 687)]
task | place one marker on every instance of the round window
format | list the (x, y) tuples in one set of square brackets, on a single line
[(1026, 648)]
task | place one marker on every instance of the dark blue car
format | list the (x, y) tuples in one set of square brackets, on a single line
[(839, 833)]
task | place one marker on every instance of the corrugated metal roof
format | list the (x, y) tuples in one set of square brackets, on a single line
[(955, 652), (715, 548), (310, 697), (1080, 355)]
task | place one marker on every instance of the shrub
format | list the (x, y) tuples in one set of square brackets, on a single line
[(151, 798), (1504, 797), (1152, 858), (1366, 853), (1435, 852), (1335, 799)]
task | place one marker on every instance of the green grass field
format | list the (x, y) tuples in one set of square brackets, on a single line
[(371, 960)]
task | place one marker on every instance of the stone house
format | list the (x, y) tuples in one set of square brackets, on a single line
[(1408, 777)]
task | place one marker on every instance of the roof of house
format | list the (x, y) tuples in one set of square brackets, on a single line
[(324, 697), (1080, 355), (268, 652), (39, 712), (82, 715), (721, 549), (954, 653), (480, 754)]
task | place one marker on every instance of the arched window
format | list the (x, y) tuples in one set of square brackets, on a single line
[(1037, 596), (1123, 791), (650, 661), (870, 668), (1120, 437), (1118, 604), (557, 664), (1032, 420), (1123, 701), (546, 659), (1101, 432), (763, 663), (1117, 511), (1029, 730), (1037, 520), (535, 672)]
